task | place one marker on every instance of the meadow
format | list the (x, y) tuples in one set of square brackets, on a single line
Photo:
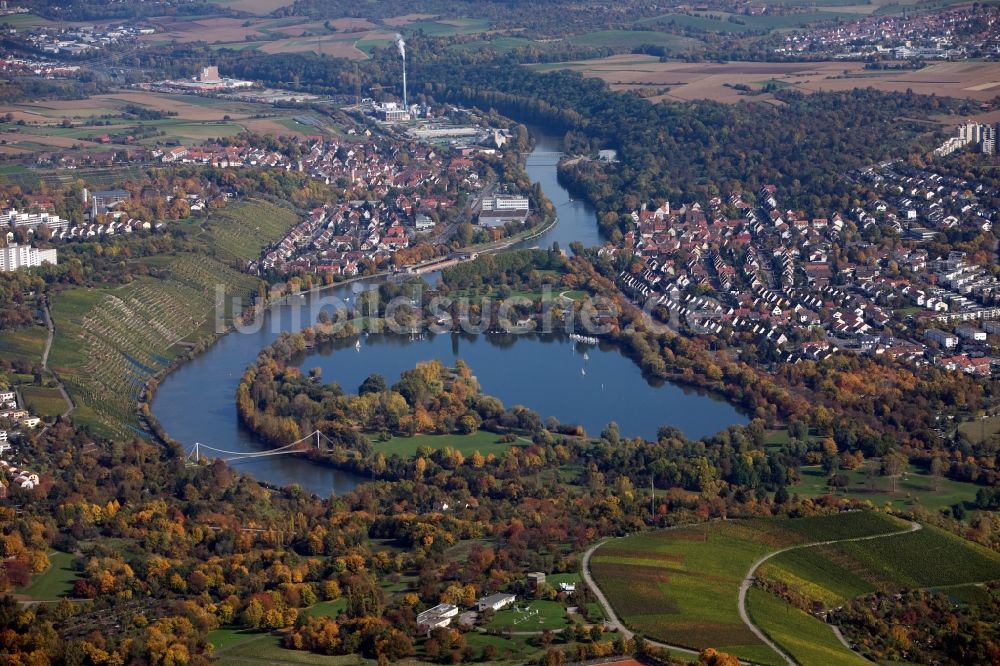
[(914, 488), (680, 586), (27, 343), (43, 401)]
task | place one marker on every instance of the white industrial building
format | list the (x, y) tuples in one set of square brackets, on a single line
[(16, 256), (495, 602), (433, 618)]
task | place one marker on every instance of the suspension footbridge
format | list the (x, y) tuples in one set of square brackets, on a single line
[(313, 441)]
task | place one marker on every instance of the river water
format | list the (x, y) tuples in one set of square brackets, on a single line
[(572, 382)]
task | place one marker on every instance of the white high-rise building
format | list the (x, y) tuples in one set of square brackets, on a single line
[(16, 256)]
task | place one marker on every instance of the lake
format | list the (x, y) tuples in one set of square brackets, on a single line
[(547, 374)]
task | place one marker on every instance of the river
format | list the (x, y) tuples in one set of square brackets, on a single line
[(196, 403)]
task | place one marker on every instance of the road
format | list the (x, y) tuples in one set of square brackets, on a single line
[(45, 360), (617, 625), (749, 578)]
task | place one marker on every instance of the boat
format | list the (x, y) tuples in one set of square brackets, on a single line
[(586, 356), (583, 371), (357, 345), (576, 337)]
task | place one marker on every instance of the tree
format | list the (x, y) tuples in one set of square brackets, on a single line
[(893, 464), (937, 471)]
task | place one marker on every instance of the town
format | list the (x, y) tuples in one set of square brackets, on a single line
[(810, 287)]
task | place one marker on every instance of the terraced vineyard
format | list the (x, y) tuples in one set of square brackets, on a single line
[(837, 572), (680, 586), (110, 341), (240, 231)]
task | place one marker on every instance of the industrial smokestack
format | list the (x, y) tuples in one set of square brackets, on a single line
[(401, 45)]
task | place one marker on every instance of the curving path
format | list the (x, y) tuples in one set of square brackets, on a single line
[(748, 581), (617, 625)]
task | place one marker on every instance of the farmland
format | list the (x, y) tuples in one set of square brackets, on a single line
[(687, 81), (195, 119), (680, 586), (111, 340)]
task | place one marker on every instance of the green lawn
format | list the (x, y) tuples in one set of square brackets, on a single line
[(515, 647), (915, 487), (41, 401), (55, 582), (229, 637), (680, 586), (807, 639), (530, 615), (266, 649), (481, 440), (327, 608)]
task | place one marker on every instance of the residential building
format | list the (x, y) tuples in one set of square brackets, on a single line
[(967, 332), (946, 340), (16, 256), (31, 221)]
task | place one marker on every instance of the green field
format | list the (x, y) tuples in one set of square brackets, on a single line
[(497, 44), (630, 39), (42, 401), (531, 615), (27, 343), (461, 26), (53, 583), (481, 440), (914, 488), (807, 639), (680, 586)]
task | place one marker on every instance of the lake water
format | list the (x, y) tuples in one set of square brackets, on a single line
[(547, 374)]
